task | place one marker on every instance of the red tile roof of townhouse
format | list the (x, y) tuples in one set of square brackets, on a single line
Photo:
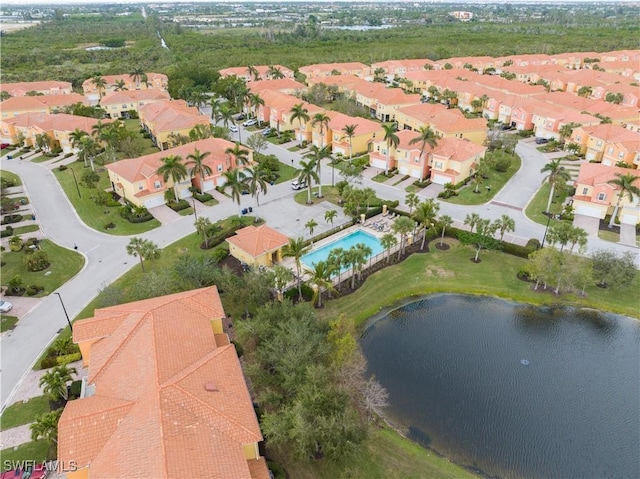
[(564, 115), (261, 69), (611, 133), (284, 103), (257, 240), (595, 174), (589, 105), (170, 115), (439, 76), (509, 86), (134, 95), (453, 148), (442, 118), (339, 120), (47, 102), (327, 68), (137, 169), (286, 84), (112, 79), (22, 88), (395, 96), (410, 64), (349, 82), (57, 122), (166, 394)]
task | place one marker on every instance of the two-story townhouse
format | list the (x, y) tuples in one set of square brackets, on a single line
[(38, 87), (399, 68), (595, 141), (137, 180), (158, 81), (276, 111), (595, 197), (323, 70), (258, 72), (630, 94), (548, 119), (119, 104), (454, 160), (364, 133), (164, 385), (165, 119), (283, 85), (38, 104)]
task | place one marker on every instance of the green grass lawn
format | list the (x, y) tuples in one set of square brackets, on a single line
[(7, 322), (32, 451), (286, 172), (25, 229), (93, 215), (452, 271), (384, 455), (613, 236), (23, 413), (64, 265), (329, 194), (536, 207), (295, 148), (41, 159), (496, 182), (381, 178), (11, 177)]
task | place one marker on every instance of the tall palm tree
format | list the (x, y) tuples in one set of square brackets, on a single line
[(137, 75), (54, 382), (577, 236), (566, 130), (255, 101), (321, 279), (307, 175), (317, 155), (425, 214), (445, 222), (76, 136), (120, 85), (234, 181), (144, 249), (225, 113), (172, 167), (275, 73), (624, 184), (46, 426), (198, 166), (240, 154), (87, 150), (296, 249), (504, 224), (337, 261), (311, 226), (472, 219), (300, 113), (558, 175), (252, 72), (411, 200), (364, 253), (425, 137), (330, 215), (203, 226), (349, 132), (100, 84), (402, 226), (388, 241), (214, 103), (322, 120), (256, 179), (392, 141)]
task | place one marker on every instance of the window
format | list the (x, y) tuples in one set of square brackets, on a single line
[(599, 143), (140, 187), (439, 165), (157, 185), (611, 150), (585, 191), (219, 167), (577, 138), (602, 196), (621, 155)]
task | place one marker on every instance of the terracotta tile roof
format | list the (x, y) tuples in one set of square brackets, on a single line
[(404, 140), (44, 103), (339, 120), (128, 96), (258, 240), (171, 115), (597, 174), (112, 79), (284, 103), (137, 169), (343, 82), (329, 67), (454, 149), (611, 133), (281, 84), (262, 71), (54, 122), (443, 119), (165, 394), (21, 88)]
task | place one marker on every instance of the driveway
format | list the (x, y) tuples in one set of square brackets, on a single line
[(587, 223), (164, 214)]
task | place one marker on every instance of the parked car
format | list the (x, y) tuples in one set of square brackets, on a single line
[(4, 145), (541, 141), (233, 128), (250, 122), (240, 116), (5, 306), (266, 131), (298, 184)]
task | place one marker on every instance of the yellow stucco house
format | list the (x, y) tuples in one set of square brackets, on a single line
[(365, 132), (607, 143), (164, 386), (158, 81), (257, 245), (164, 118), (38, 104), (118, 104)]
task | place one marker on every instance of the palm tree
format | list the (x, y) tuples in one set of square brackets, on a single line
[(87, 150), (566, 130), (252, 72), (274, 73), (388, 241), (240, 154), (321, 278), (198, 167), (336, 259), (425, 214), (504, 224), (137, 74), (364, 253), (256, 179), (234, 181), (100, 84), (144, 249), (472, 220), (295, 249), (281, 278), (411, 200), (214, 103), (76, 136), (426, 137), (226, 115), (300, 113), (172, 167), (255, 101), (54, 382), (392, 140), (317, 155), (307, 175), (322, 120), (120, 85), (577, 236), (350, 258), (203, 226), (311, 225), (330, 215), (624, 184), (445, 222), (349, 132), (558, 175), (46, 426), (403, 225)]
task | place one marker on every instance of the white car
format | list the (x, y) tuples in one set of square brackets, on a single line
[(250, 122), (233, 129), (5, 306), (298, 185)]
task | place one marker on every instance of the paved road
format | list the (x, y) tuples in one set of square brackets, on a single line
[(106, 258)]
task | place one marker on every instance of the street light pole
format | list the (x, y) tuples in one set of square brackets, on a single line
[(65, 311), (545, 230), (194, 208), (76, 182)]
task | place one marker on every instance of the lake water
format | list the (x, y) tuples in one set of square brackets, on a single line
[(513, 390)]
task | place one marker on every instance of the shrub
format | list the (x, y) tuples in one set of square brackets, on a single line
[(447, 194), (68, 155), (48, 362), (525, 133), (68, 358), (31, 291), (179, 206), (533, 244), (219, 254), (15, 243), (516, 250), (202, 197), (11, 219), (62, 167), (8, 231), (502, 164), (36, 261), (109, 226), (292, 294), (422, 183), (239, 350)]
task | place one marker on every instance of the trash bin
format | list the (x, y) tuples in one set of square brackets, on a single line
[(250, 209), (33, 217), (9, 157)]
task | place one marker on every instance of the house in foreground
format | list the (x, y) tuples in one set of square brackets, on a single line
[(164, 397), (137, 181), (257, 245)]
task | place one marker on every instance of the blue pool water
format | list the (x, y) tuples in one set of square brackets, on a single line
[(346, 242)]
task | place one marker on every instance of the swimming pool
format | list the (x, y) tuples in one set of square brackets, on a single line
[(345, 242)]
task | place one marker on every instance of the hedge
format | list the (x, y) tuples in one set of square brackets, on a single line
[(8, 231), (179, 206), (68, 358), (203, 198)]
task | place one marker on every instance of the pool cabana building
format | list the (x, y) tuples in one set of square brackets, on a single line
[(257, 246)]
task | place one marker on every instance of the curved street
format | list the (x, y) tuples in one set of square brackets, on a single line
[(107, 259)]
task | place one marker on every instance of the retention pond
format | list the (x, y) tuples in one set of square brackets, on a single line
[(513, 390)]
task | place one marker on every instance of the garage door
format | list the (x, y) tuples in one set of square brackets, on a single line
[(629, 219), (403, 170), (587, 211), (337, 150), (208, 185), (153, 202), (378, 163), (440, 179)]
